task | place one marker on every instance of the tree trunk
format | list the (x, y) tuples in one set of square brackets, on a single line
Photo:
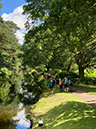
[(81, 71), (69, 66)]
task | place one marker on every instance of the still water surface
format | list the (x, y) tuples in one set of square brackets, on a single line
[(12, 117)]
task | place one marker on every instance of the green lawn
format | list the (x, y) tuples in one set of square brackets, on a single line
[(63, 111), (88, 88)]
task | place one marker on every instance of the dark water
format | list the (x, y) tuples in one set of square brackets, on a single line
[(12, 117)]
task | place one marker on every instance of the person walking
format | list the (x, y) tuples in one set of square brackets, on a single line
[(66, 84), (57, 79), (51, 87), (70, 85), (53, 79), (61, 85)]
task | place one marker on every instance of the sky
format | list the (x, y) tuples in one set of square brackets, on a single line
[(12, 10)]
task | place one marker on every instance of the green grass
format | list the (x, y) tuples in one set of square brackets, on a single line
[(64, 111), (88, 88)]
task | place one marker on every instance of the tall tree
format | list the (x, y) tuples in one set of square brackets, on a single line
[(74, 20), (44, 47), (9, 66)]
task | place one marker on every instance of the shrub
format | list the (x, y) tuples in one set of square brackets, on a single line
[(70, 75), (34, 82), (85, 80), (55, 71)]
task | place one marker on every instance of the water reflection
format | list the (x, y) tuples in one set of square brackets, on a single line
[(22, 121), (12, 118)]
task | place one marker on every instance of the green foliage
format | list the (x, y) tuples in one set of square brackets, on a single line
[(0, 5), (55, 71), (90, 73), (34, 82), (12, 26), (40, 68), (66, 34), (10, 75), (40, 80), (85, 80), (70, 75)]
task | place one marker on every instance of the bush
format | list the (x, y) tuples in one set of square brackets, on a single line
[(55, 71), (87, 80), (70, 75), (34, 82), (40, 80)]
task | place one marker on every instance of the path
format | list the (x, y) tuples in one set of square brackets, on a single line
[(90, 99)]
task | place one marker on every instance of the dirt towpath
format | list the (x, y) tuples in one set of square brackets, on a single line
[(90, 99)]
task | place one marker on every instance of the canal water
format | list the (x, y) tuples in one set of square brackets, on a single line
[(14, 117)]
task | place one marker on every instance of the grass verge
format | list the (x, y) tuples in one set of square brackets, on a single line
[(63, 111), (88, 88)]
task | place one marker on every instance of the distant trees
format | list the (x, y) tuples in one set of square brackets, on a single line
[(10, 76), (67, 33)]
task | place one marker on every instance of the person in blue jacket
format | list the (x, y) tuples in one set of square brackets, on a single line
[(66, 84), (51, 87)]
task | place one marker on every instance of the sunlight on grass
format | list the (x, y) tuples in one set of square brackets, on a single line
[(88, 88), (64, 111)]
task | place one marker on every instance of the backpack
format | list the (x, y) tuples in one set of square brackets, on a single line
[(60, 82), (67, 82), (53, 81), (51, 84), (71, 83)]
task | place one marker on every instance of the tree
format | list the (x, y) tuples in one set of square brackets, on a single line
[(0, 5), (9, 66), (74, 20), (42, 46)]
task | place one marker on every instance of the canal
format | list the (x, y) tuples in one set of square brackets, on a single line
[(14, 117)]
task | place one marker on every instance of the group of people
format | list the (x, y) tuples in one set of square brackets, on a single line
[(65, 85), (46, 75)]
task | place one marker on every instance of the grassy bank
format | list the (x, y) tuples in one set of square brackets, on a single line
[(88, 88), (63, 111)]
